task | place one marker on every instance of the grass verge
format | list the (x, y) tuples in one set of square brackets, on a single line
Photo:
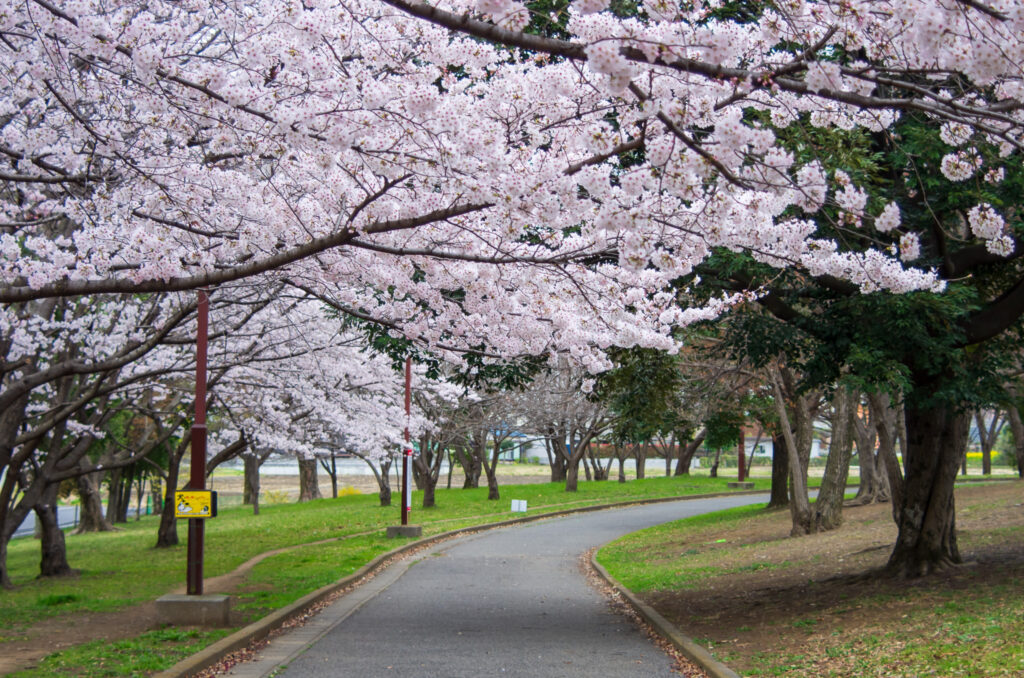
[(771, 605)]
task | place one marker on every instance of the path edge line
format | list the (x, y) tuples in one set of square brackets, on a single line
[(692, 650), (261, 628)]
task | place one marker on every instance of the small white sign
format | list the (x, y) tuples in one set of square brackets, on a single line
[(518, 506)]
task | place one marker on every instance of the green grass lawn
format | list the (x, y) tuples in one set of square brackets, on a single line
[(964, 623), (122, 568)]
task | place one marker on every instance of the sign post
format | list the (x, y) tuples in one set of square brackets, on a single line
[(197, 477), (196, 503), (407, 456), (405, 529)]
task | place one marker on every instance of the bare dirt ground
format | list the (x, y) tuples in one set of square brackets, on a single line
[(829, 588)]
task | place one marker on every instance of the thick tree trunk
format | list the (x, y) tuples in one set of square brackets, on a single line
[(714, 464), (429, 496), (427, 467), (54, 555), (251, 480), (641, 460), (115, 486), (572, 475), (780, 474), (828, 509), (125, 502), (90, 503), (556, 458), (471, 468), (491, 470), (309, 485), (936, 440), (384, 483), (686, 452), (1017, 430), (492, 487), (622, 464), (5, 577)]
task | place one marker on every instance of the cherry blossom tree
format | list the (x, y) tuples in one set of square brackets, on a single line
[(526, 182)]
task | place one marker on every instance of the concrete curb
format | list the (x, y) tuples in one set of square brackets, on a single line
[(261, 628), (666, 629)]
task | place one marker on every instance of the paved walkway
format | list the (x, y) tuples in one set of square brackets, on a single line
[(505, 602)]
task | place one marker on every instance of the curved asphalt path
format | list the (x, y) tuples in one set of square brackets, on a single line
[(504, 602)]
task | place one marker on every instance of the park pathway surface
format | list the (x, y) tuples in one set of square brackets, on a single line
[(505, 602)]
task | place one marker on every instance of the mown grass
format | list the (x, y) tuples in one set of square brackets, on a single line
[(643, 561), (969, 627), (122, 568), (145, 654)]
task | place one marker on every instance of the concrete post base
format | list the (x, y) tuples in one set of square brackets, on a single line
[(183, 610), (745, 485), (404, 531)]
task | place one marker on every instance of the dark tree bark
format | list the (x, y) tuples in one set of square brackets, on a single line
[(331, 467), (828, 509), (600, 471), (157, 494), (90, 502), (115, 494), (640, 453), (54, 560), (471, 467), (874, 482), (988, 435), (572, 474), (686, 452), (887, 424), (427, 468), (309, 484), (936, 440), (579, 451), (557, 455), (251, 480), (167, 532), (491, 469), (669, 453), (780, 473), (714, 464), (1017, 429), (796, 435)]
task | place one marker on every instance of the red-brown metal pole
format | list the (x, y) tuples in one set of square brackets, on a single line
[(742, 457), (407, 458), (197, 477)]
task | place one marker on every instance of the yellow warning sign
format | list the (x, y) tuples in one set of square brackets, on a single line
[(195, 504)]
